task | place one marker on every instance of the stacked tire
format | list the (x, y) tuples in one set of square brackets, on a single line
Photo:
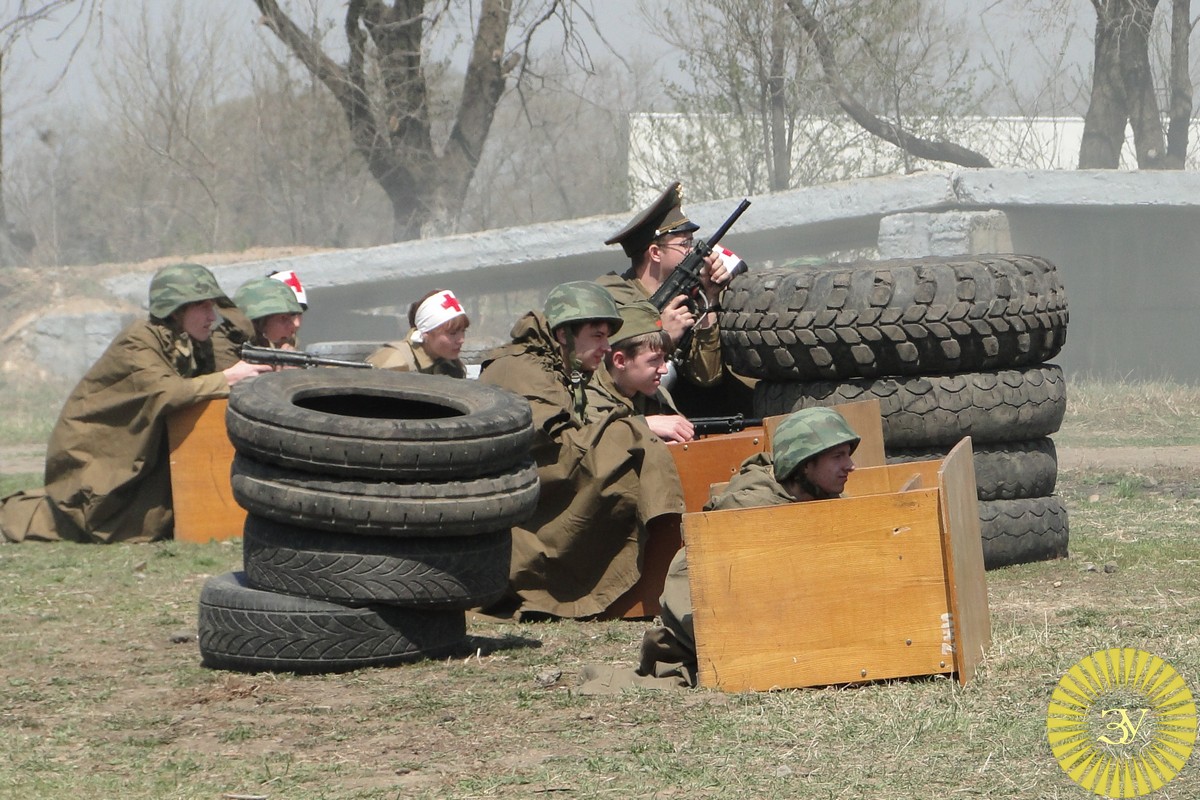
[(951, 347), (379, 507)]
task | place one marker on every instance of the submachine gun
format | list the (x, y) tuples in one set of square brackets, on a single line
[(707, 426), (294, 358), (685, 278)]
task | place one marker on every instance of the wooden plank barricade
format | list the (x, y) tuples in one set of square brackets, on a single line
[(880, 583), (712, 460), (200, 456)]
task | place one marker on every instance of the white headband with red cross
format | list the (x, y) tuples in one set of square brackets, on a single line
[(436, 310)]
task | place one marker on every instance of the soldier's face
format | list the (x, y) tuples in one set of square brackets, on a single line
[(641, 373), (280, 328), (673, 249), (446, 340), (591, 345), (830, 470), (197, 319)]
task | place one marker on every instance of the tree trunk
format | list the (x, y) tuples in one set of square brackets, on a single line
[(1123, 88), (781, 144), (1180, 99), (392, 132)]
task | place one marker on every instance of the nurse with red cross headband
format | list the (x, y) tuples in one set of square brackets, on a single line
[(437, 327)]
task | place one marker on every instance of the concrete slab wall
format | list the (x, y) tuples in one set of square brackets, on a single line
[(1126, 242)]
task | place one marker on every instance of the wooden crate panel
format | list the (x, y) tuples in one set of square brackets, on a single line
[(816, 593), (201, 455)]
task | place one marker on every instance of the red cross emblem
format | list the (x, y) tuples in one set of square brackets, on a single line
[(293, 280), (450, 301)]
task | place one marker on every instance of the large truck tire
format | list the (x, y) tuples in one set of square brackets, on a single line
[(1023, 531), (1003, 470), (938, 410), (870, 319)]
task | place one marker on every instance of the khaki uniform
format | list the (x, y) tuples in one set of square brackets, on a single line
[(231, 333), (107, 474), (603, 396), (672, 647), (603, 476), (702, 366), (404, 356)]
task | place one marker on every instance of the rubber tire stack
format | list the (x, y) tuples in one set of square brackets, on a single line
[(380, 506), (951, 347)]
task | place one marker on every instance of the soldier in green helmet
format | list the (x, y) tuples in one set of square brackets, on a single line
[(810, 459), (634, 371), (604, 475), (107, 476), (273, 311)]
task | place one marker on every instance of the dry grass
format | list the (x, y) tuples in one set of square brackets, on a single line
[(100, 701), (1124, 414)]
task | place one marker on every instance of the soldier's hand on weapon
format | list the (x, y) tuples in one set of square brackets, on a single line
[(671, 427), (677, 317), (241, 370)]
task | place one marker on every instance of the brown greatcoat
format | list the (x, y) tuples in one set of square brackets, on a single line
[(603, 396), (671, 648), (603, 476), (405, 356), (107, 471), (703, 363)]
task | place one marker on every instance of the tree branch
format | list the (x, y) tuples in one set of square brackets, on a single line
[(889, 132)]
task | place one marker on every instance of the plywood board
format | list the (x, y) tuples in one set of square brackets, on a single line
[(819, 593), (713, 459), (966, 584), (201, 455), (891, 477), (863, 417)]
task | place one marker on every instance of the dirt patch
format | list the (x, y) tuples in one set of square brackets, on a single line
[(1130, 457)]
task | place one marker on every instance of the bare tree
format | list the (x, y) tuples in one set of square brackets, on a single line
[(1123, 88), (28, 15), (765, 90), (888, 130), (386, 94)]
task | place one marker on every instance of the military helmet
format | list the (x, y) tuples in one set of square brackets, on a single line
[(262, 297), (180, 284), (581, 301), (640, 318), (808, 433)]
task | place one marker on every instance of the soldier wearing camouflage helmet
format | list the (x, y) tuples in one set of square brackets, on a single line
[(107, 476), (273, 310), (604, 475), (810, 459)]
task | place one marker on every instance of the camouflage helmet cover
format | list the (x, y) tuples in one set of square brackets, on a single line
[(808, 433), (180, 284), (580, 301), (640, 318), (262, 297)]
